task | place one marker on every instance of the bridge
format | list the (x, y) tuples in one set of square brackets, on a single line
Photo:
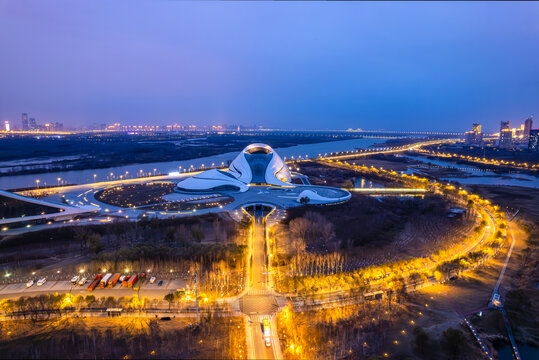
[(64, 212), (388, 191)]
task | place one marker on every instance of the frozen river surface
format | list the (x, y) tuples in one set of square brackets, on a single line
[(133, 170)]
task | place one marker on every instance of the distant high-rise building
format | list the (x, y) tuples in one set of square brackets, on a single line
[(506, 139), (24, 122), (6, 126), (533, 142), (506, 135), (527, 128), (32, 124), (474, 137), (469, 138)]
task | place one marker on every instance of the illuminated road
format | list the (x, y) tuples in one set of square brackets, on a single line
[(259, 303), (385, 150), (481, 161), (259, 256), (388, 190), (258, 349)]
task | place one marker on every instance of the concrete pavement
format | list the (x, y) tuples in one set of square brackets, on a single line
[(260, 303), (152, 291)]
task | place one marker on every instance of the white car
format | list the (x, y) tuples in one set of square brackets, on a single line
[(29, 283), (152, 280), (83, 281), (74, 279), (268, 342), (41, 281)]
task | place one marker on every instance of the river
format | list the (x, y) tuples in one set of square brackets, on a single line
[(476, 175), (526, 352), (133, 170)]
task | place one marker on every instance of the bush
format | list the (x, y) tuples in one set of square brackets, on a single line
[(454, 342), (423, 345)]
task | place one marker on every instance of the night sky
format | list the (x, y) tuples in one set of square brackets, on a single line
[(319, 65)]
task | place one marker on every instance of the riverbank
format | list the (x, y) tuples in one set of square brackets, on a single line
[(176, 166)]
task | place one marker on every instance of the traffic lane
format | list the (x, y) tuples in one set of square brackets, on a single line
[(259, 259), (261, 350), (276, 346)]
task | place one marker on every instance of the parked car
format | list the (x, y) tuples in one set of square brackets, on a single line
[(152, 279), (29, 283), (160, 283), (83, 281), (41, 281), (74, 279)]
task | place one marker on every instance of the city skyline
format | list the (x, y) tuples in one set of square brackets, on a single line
[(356, 65)]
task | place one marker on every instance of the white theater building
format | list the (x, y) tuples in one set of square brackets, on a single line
[(258, 165)]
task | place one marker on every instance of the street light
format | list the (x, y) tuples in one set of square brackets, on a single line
[(37, 182)]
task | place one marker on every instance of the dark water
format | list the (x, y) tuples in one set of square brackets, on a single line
[(526, 352)]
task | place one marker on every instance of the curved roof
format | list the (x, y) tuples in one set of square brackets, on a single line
[(211, 180), (257, 163), (318, 194)]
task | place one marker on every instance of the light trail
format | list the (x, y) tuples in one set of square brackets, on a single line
[(387, 190)]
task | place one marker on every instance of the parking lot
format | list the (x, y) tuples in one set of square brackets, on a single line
[(153, 291)]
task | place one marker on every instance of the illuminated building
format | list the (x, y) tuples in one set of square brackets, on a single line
[(474, 137), (533, 142), (6, 126), (506, 135), (256, 164), (259, 165), (32, 124), (527, 128)]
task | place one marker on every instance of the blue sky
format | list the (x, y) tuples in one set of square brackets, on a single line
[(314, 65)]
